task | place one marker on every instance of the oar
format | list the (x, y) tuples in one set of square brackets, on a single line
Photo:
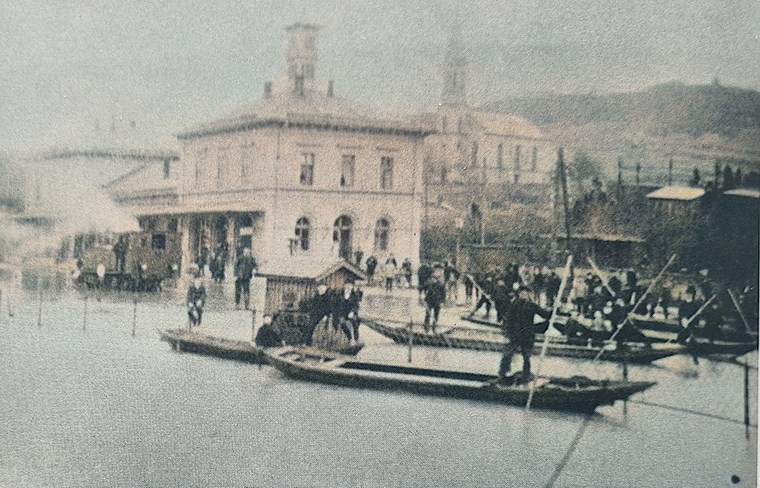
[(639, 302), (545, 345), (696, 314), (488, 297), (605, 280), (741, 314)]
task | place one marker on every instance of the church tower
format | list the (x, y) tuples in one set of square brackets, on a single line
[(302, 57), (455, 70)]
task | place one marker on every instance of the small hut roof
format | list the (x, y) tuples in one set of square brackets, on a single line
[(313, 270)]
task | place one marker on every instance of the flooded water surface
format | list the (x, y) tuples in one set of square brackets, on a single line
[(99, 407)]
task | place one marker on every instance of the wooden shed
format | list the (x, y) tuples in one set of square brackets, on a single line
[(289, 283)]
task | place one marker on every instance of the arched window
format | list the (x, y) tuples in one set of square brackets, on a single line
[(343, 235), (382, 235), (303, 233)]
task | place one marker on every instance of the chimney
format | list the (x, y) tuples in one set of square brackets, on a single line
[(268, 89), (330, 89)]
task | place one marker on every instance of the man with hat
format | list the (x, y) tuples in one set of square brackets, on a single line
[(196, 298), (435, 294), (519, 331), (347, 310), (244, 268), (318, 307)]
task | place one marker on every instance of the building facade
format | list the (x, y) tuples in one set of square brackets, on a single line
[(301, 176), (478, 157)]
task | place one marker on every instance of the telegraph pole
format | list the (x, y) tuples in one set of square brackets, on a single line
[(565, 199)]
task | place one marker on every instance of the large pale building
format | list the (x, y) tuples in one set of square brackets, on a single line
[(480, 157), (302, 176)]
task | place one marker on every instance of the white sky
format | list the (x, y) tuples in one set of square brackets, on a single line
[(170, 64)]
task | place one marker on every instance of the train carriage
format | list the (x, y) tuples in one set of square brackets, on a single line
[(139, 261)]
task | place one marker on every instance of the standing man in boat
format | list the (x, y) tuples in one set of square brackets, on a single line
[(519, 330), (318, 307), (435, 295)]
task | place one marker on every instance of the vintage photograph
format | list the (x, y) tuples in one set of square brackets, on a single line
[(379, 244)]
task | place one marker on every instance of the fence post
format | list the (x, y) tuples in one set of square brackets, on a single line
[(84, 315), (409, 355)]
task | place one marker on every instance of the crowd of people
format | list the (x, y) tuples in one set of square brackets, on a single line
[(595, 307), (340, 307)]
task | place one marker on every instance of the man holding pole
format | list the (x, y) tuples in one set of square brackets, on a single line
[(519, 331)]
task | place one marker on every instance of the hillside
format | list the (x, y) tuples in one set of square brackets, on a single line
[(694, 125)]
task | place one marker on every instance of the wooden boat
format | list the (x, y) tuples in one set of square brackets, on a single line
[(577, 394), (199, 343), (660, 332), (492, 340)]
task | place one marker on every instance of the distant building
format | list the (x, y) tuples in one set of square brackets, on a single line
[(56, 182), (676, 201), (300, 177), (492, 160)]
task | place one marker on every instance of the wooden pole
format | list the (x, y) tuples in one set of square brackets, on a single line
[(409, 355), (637, 304), (565, 197), (741, 314), (746, 394), (39, 300), (84, 314), (253, 325), (1, 303), (134, 316), (545, 345)]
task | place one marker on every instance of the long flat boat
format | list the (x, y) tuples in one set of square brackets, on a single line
[(200, 343), (491, 340), (576, 394), (660, 332)]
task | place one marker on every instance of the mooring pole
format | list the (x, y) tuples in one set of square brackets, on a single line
[(746, 396), (409, 355), (253, 325), (134, 316), (39, 301), (84, 315)]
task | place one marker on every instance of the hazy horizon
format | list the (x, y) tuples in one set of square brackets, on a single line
[(170, 65)]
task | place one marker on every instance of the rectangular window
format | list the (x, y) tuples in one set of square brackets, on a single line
[(246, 160), (167, 168), (386, 173), (348, 166), (158, 242), (221, 167), (517, 158), (200, 162), (500, 156), (307, 169), (534, 159)]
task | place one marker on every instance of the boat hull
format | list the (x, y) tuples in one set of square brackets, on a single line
[(559, 346), (577, 395), (185, 341)]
